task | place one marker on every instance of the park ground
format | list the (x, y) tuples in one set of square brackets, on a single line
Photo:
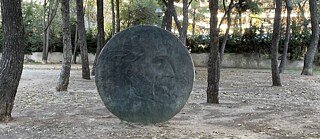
[(249, 108)]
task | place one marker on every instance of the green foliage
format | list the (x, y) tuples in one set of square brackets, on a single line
[(254, 40), (92, 39), (198, 44), (299, 41), (244, 5), (254, 7), (32, 25), (139, 12)]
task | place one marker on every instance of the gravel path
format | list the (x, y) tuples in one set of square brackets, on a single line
[(250, 108)]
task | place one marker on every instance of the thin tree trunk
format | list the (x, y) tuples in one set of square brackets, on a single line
[(47, 43), (47, 30), (46, 27), (275, 44), (214, 58), (74, 56), (63, 80), (113, 19), (170, 7), (302, 13), (225, 13), (240, 23), (194, 21), (88, 9), (44, 37), (117, 16), (226, 35), (176, 20), (312, 49), (11, 63), (184, 29), (100, 36), (287, 38), (82, 41), (164, 20)]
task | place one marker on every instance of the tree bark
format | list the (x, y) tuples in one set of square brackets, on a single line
[(193, 22), (113, 18), (47, 34), (176, 20), (275, 44), (44, 37), (302, 13), (226, 35), (74, 56), (167, 21), (214, 58), (184, 29), (287, 38), (117, 16), (312, 49), (11, 63), (82, 41), (240, 23), (46, 27), (100, 36), (168, 15), (63, 80)]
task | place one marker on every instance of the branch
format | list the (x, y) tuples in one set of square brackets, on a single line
[(189, 3), (176, 20), (53, 14), (288, 4), (230, 7), (165, 3)]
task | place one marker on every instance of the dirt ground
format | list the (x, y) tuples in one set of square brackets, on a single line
[(250, 108)]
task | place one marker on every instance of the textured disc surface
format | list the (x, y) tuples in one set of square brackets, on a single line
[(144, 74)]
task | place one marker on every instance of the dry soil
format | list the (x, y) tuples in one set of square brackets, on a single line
[(249, 108)]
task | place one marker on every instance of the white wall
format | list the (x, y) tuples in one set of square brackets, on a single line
[(232, 60), (54, 57), (200, 60)]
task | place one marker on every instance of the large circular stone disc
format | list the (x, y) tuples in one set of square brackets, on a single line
[(144, 74)]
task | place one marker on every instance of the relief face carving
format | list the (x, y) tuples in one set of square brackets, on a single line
[(144, 74)]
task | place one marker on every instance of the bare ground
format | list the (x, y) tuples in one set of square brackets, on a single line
[(250, 108)]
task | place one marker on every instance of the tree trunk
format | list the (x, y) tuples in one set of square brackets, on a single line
[(169, 14), (226, 35), (240, 23), (309, 57), (100, 36), (113, 19), (47, 31), (74, 56), (286, 39), (184, 29), (47, 20), (165, 20), (118, 16), (176, 20), (194, 21), (302, 13), (44, 37), (11, 63), (214, 58), (275, 44), (63, 80), (182, 33), (82, 41), (88, 10)]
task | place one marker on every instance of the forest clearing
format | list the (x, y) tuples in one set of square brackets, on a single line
[(249, 108)]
